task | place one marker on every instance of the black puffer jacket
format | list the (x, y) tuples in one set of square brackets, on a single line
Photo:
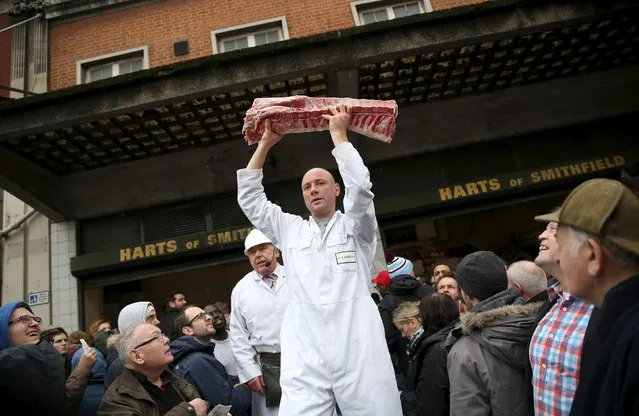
[(428, 391), (403, 288), (32, 380)]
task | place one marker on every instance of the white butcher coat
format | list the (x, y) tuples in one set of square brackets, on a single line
[(256, 318), (333, 345)]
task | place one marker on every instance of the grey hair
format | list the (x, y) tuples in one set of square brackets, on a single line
[(528, 275), (578, 239), (405, 312), (623, 256), (126, 341)]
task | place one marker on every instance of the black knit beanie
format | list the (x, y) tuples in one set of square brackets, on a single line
[(482, 274)]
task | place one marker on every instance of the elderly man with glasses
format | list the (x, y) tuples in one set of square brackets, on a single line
[(195, 362), (145, 386)]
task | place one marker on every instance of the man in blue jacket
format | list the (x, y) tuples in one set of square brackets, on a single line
[(195, 362)]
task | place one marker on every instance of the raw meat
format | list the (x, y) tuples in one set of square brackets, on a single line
[(300, 114)]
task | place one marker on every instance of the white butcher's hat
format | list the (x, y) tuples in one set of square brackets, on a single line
[(255, 238)]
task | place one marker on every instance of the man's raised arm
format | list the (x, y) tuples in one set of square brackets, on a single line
[(262, 213), (358, 198)]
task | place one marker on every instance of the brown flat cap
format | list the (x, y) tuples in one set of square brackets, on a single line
[(602, 208)]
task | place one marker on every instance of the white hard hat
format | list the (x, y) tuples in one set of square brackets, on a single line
[(255, 238)]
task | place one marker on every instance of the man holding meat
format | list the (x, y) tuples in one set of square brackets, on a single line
[(332, 339)]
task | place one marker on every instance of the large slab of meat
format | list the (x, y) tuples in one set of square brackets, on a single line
[(301, 114)]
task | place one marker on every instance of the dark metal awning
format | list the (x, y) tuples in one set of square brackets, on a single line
[(48, 141)]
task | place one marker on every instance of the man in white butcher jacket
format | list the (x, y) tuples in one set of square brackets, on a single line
[(258, 302), (333, 345)]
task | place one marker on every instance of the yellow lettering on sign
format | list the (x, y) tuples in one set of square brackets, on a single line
[(138, 253), (125, 254), (576, 169), (469, 189), (225, 237), (171, 246)]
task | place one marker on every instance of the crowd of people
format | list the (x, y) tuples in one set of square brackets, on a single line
[(555, 336)]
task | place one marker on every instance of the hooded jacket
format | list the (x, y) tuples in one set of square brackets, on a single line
[(404, 288), (32, 377), (486, 365), (131, 314), (195, 362)]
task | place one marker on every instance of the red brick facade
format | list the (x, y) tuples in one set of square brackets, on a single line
[(158, 25), (5, 55)]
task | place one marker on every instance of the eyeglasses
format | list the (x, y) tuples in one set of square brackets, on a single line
[(202, 315), (26, 319), (159, 338)]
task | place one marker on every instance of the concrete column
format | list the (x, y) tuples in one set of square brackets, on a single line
[(25, 257), (65, 288)]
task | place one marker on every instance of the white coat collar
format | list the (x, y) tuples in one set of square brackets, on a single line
[(316, 229)]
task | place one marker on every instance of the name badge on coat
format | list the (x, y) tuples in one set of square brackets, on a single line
[(345, 257)]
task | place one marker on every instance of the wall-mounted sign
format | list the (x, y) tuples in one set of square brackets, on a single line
[(439, 195), (531, 177), (38, 298), (161, 248)]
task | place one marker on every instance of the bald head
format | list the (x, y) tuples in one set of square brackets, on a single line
[(320, 193), (529, 278), (317, 173)]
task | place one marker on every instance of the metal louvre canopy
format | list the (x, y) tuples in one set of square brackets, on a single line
[(53, 145)]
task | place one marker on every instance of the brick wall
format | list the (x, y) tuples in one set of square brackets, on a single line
[(5, 54), (160, 24)]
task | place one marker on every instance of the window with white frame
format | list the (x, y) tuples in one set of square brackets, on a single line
[(247, 36), (112, 65), (372, 11)]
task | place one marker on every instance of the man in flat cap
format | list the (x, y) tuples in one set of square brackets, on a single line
[(598, 236)]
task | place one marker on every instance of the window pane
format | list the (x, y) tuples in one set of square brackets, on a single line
[(234, 44), (407, 9), (273, 36), (129, 66), (137, 65), (100, 72), (267, 37), (260, 39), (374, 16)]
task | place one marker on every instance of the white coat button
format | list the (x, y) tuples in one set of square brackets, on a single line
[(564, 309)]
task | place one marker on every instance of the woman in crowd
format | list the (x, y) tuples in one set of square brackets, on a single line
[(59, 339), (100, 330), (428, 388)]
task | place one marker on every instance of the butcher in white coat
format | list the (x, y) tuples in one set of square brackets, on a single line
[(258, 302), (333, 345)]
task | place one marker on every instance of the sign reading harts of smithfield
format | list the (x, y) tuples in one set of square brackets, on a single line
[(106, 259), (436, 196), (530, 177), (181, 244)]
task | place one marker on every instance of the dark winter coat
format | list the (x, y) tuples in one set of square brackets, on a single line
[(128, 397), (403, 288), (611, 386), (486, 365), (196, 363), (32, 380), (427, 379)]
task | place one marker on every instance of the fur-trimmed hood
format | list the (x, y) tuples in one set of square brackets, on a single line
[(503, 331), (475, 321), (112, 340)]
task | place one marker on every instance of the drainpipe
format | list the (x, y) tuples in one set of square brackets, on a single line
[(17, 224)]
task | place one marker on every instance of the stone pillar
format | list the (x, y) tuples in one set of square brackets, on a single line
[(25, 257), (65, 288)]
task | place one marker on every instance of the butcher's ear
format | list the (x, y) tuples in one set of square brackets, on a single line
[(337, 189)]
